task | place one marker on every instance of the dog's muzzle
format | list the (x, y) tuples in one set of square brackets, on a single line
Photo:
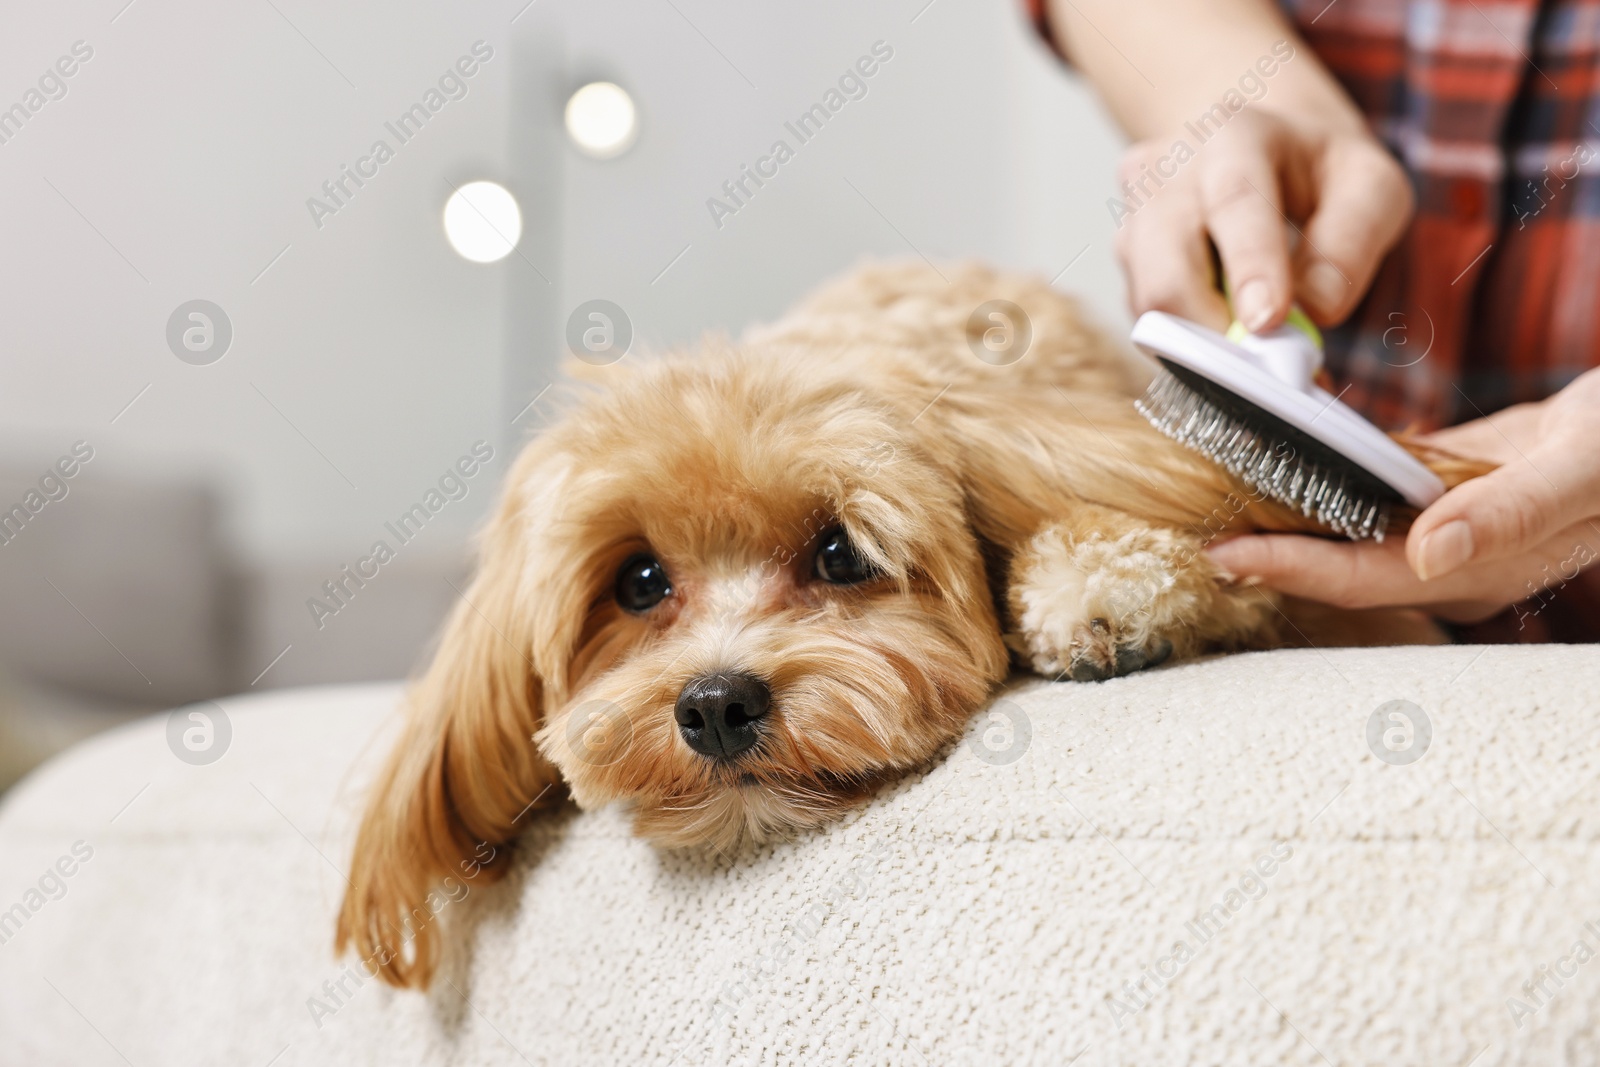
[(719, 715)]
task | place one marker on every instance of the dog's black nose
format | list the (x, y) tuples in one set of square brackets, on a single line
[(718, 714)]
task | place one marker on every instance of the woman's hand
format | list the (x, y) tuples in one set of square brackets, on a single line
[(1347, 196), (1269, 138), (1527, 527)]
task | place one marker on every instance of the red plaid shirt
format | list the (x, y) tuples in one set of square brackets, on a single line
[(1492, 108), (1492, 296)]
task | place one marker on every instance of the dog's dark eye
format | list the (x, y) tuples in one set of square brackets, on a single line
[(642, 583), (837, 560)]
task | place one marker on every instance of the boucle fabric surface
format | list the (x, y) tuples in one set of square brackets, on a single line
[(1204, 864)]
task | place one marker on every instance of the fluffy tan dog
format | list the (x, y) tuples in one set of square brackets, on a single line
[(741, 586)]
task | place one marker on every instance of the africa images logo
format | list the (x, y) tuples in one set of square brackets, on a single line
[(199, 736), (199, 332)]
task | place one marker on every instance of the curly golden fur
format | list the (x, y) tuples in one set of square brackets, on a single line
[(1021, 510)]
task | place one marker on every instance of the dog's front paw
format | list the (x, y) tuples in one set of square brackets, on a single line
[(1095, 607), (1098, 651)]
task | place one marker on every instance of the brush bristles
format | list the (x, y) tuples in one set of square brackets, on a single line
[(1271, 467)]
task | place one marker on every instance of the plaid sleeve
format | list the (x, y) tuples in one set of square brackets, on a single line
[(1489, 298)]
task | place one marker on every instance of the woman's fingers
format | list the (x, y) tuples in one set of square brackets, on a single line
[(1366, 574), (1549, 480), (1508, 511), (1496, 438), (1346, 574), (1166, 258), (1231, 191), (1243, 210), (1363, 205)]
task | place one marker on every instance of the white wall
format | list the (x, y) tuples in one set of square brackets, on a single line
[(191, 142), (969, 142), (369, 356)]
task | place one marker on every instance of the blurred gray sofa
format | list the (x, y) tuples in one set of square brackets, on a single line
[(123, 595)]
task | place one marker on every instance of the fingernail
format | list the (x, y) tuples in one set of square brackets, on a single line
[(1326, 287), (1444, 550), (1253, 304)]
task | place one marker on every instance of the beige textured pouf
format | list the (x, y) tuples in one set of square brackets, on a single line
[(1240, 861)]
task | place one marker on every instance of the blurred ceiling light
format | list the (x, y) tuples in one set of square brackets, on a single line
[(482, 221), (602, 120)]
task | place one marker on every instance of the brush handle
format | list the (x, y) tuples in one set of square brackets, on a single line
[(1286, 354), (1292, 353), (1260, 379)]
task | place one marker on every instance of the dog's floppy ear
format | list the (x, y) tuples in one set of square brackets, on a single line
[(462, 773), (1027, 459)]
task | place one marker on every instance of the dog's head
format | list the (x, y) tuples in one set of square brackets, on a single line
[(734, 591)]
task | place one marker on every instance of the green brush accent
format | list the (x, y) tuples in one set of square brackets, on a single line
[(1236, 330), (1297, 318)]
